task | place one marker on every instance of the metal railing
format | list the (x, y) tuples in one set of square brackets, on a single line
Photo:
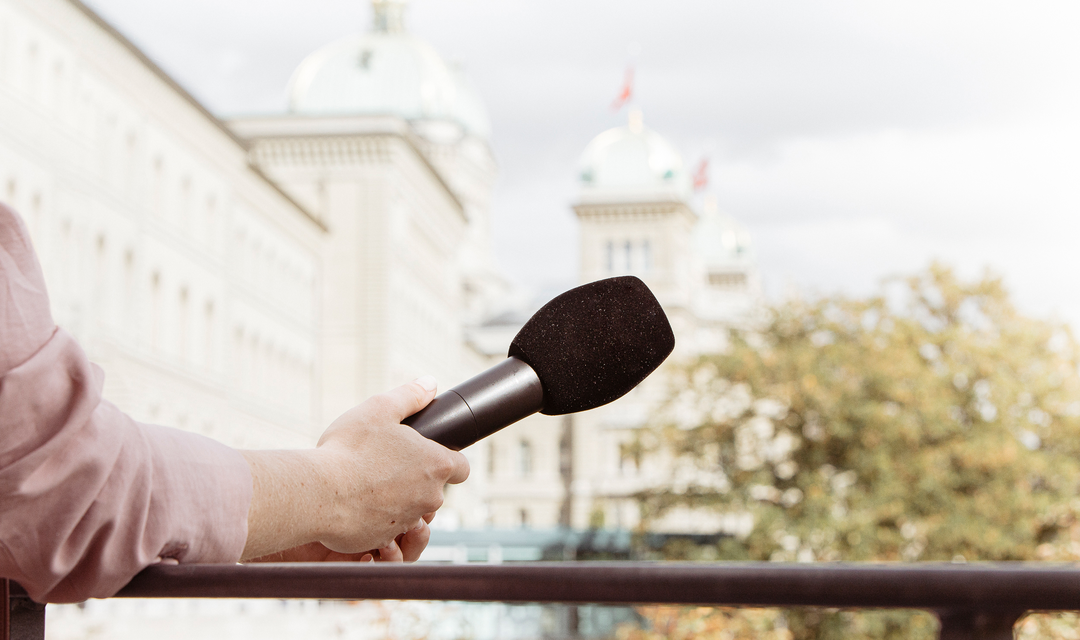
[(972, 602)]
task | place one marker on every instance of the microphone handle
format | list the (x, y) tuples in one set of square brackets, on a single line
[(481, 405)]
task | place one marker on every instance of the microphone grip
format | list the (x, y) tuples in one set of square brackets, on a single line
[(481, 405)]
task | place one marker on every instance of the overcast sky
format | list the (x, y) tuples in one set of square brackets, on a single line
[(856, 140)]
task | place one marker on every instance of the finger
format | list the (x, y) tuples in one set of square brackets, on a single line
[(459, 468), (409, 398), (311, 552), (391, 553), (413, 543)]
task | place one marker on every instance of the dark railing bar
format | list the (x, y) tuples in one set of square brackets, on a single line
[(977, 625), (5, 615), (23, 619), (940, 587)]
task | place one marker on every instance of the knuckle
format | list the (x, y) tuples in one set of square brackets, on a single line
[(444, 465), (434, 502), (417, 393)]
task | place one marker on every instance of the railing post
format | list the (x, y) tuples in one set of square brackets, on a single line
[(5, 614), (977, 625), (23, 619)]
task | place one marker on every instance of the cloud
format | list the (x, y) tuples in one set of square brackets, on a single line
[(855, 139)]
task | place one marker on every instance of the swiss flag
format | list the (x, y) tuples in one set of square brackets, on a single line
[(701, 175), (626, 92)]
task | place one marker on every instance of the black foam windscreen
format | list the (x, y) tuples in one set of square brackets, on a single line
[(594, 343)]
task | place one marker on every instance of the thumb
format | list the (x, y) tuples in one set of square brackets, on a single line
[(410, 398)]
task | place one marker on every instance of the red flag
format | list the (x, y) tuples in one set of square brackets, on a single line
[(701, 175), (626, 92)]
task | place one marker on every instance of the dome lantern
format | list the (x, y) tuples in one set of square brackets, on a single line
[(389, 16)]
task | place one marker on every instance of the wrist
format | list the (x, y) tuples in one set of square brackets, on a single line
[(290, 503)]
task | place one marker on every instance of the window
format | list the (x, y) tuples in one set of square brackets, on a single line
[(646, 256), (129, 284), (101, 279), (728, 280), (208, 336), (525, 458), (182, 312), (610, 258), (155, 311), (158, 188)]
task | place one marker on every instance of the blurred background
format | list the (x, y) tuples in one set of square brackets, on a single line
[(859, 218), (855, 141)]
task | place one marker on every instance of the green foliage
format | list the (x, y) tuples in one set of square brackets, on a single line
[(932, 422)]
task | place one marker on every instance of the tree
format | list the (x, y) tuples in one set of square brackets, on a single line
[(931, 422)]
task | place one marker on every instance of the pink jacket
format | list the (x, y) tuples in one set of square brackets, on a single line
[(88, 496)]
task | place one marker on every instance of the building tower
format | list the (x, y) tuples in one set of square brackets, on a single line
[(387, 145), (634, 214), (637, 216)]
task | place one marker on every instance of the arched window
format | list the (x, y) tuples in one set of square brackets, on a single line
[(186, 190), (158, 186), (155, 311), (33, 73), (128, 304), (57, 90), (101, 280), (210, 221), (208, 336), (239, 358), (183, 321)]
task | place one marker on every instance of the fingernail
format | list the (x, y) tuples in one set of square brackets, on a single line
[(427, 382), (367, 557)]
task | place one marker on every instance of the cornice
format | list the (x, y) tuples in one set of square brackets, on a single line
[(273, 145), (319, 151), (609, 211)]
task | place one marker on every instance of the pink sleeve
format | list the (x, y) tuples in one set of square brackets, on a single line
[(88, 497)]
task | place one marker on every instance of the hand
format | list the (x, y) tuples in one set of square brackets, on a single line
[(370, 480)]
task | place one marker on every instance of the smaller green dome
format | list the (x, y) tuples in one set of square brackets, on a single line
[(632, 163)]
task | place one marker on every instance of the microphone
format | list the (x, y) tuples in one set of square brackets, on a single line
[(583, 349)]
